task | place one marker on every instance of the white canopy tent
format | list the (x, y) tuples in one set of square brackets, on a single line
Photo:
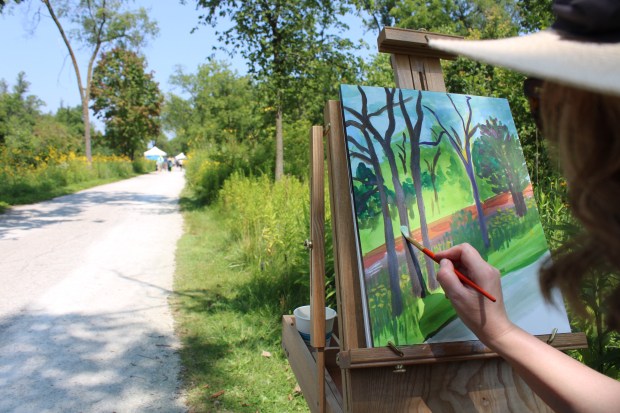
[(154, 153), (180, 157)]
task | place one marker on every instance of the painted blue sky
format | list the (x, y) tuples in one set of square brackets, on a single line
[(483, 109)]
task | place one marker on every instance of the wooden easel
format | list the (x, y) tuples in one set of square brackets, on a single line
[(347, 376)]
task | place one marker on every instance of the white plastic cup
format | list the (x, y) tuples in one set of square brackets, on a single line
[(302, 322)]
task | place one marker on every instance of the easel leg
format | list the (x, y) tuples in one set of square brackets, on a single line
[(320, 365)]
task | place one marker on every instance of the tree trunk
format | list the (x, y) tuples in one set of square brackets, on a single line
[(416, 174), (86, 119), (279, 172), (413, 266), (390, 246), (476, 194), (518, 200)]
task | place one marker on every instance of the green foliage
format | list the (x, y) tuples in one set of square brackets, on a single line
[(205, 175), (55, 174), (18, 111), (535, 15), (505, 225), (293, 51), (466, 228), (127, 99), (603, 352), (377, 71), (498, 150), (269, 222), (142, 165), (220, 108), (26, 132), (297, 147), (442, 16)]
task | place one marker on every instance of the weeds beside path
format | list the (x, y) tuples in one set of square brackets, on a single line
[(231, 354)]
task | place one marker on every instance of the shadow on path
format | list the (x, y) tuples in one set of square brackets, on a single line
[(77, 365), (70, 207)]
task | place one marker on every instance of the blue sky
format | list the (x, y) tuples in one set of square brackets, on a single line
[(42, 55)]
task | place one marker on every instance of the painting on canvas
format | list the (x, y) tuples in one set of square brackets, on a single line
[(449, 168)]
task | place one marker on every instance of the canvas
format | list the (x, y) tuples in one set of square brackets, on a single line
[(449, 168)]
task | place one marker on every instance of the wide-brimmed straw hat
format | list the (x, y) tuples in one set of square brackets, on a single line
[(581, 49)]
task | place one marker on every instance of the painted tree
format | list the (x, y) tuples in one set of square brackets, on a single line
[(127, 99), (462, 143), (367, 201), (414, 131), (433, 170), (97, 25), (369, 156), (283, 42), (499, 160), (363, 121)]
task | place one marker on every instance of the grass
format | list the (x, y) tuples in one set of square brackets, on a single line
[(231, 354), (48, 192)]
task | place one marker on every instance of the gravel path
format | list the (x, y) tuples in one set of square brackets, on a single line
[(85, 324)]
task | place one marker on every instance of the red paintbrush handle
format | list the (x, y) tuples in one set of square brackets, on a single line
[(462, 277)]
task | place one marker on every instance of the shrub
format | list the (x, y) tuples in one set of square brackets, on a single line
[(31, 178), (142, 165), (205, 175), (269, 222)]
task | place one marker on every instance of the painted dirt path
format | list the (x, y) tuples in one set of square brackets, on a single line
[(437, 229), (525, 306), (85, 324)]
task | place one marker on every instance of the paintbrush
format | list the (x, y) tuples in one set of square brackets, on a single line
[(464, 279)]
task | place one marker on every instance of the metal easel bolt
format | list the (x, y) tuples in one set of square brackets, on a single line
[(399, 369)]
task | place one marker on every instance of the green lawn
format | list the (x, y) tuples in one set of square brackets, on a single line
[(231, 355)]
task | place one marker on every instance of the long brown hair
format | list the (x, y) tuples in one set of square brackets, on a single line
[(585, 129)]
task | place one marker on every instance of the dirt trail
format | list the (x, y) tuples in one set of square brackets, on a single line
[(85, 324)]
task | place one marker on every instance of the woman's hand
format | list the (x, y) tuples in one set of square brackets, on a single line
[(487, 319)]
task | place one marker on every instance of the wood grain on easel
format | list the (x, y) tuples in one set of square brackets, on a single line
[(464, 387), (317, 236), (350, 317), (419, 73), (317, 258)]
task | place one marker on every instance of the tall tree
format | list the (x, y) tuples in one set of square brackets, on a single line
[(281, 40), (127, 99), (96, 25)]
